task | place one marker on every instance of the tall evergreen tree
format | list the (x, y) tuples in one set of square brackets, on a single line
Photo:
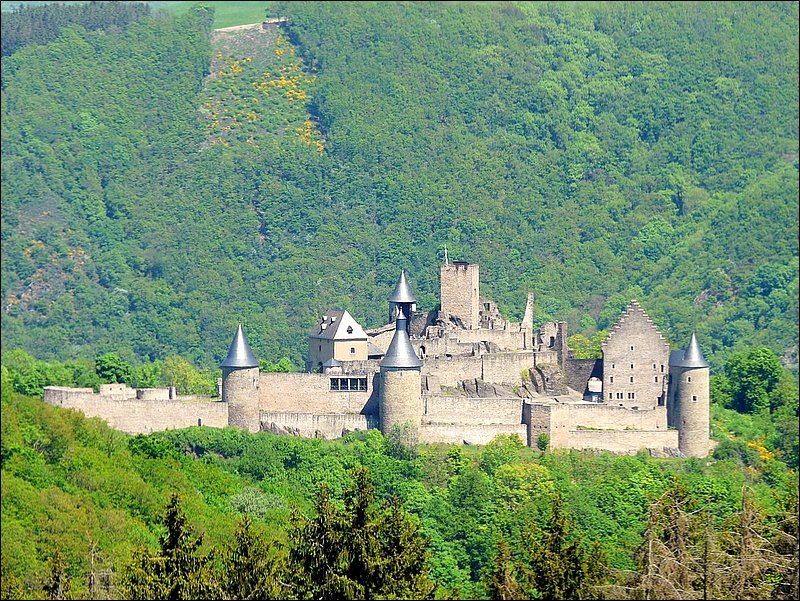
[(500, 579), (178, 571), (249, 571), (560, 567), (359, 552)]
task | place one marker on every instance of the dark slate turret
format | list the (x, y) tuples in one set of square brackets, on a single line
[(239, 353), (402, 292), (692, 357), (400, 354), (403, 299)]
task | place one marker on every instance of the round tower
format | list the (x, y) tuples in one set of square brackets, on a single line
[(240, 376), (690, 384), (400, 400)]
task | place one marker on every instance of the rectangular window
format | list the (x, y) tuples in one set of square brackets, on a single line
[(362, 384), (656, 379), (610, 396), (631, 379), (631, 347), (654, 365), (694, 398), (662, 369), (354, 384), (688, 378), (611, 379), (612, 366), (334, 383), (631, 365), (352, 350)]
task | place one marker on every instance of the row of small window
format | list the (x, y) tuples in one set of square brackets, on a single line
[(358, 384), (655, 379), (631, 396), (613, 365)]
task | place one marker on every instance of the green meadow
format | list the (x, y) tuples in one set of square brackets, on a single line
[(226, 14)]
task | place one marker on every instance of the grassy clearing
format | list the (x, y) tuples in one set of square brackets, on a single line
[(226, 14)]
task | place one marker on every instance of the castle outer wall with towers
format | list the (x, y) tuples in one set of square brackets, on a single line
[(460, 374)]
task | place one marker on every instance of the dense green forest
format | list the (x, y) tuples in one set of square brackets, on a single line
[(157, 190), (89, 512)]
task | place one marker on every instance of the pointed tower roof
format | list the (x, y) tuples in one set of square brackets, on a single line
[(400, 353), (239, 352), (693, 357), (402, 292)]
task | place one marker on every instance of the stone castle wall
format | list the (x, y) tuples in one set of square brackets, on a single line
[(469, 433), (140, 416), (462, 410), (663, 442), (451, 371), (311, 393), (506, 339), (311, 425), (505, 368)]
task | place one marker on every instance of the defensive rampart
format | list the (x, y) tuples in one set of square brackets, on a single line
[(664, 442), (469, 433), (463, 410), (333, 425), (136, 416)]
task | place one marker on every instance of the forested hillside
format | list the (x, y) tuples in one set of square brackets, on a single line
[(88, 512), (591, 153)]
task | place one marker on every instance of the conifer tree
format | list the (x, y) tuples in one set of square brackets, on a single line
[(560, 567), (178, 571), (248, 569), (58, 584), (500, 579), (358, 552)]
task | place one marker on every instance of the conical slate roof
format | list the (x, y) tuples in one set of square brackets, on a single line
[(400, 353), (692, 357), (331, 363), (239, 352), (402, 292)]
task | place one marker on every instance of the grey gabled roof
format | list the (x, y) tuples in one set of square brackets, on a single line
[(331, 363), (402, 292), (373, 351), (400, 353), (692, 357), (239, 352)]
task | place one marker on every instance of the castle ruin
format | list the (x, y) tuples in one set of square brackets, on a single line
[(460, 374)]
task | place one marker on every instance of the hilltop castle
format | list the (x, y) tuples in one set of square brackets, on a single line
[(461, 374)]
